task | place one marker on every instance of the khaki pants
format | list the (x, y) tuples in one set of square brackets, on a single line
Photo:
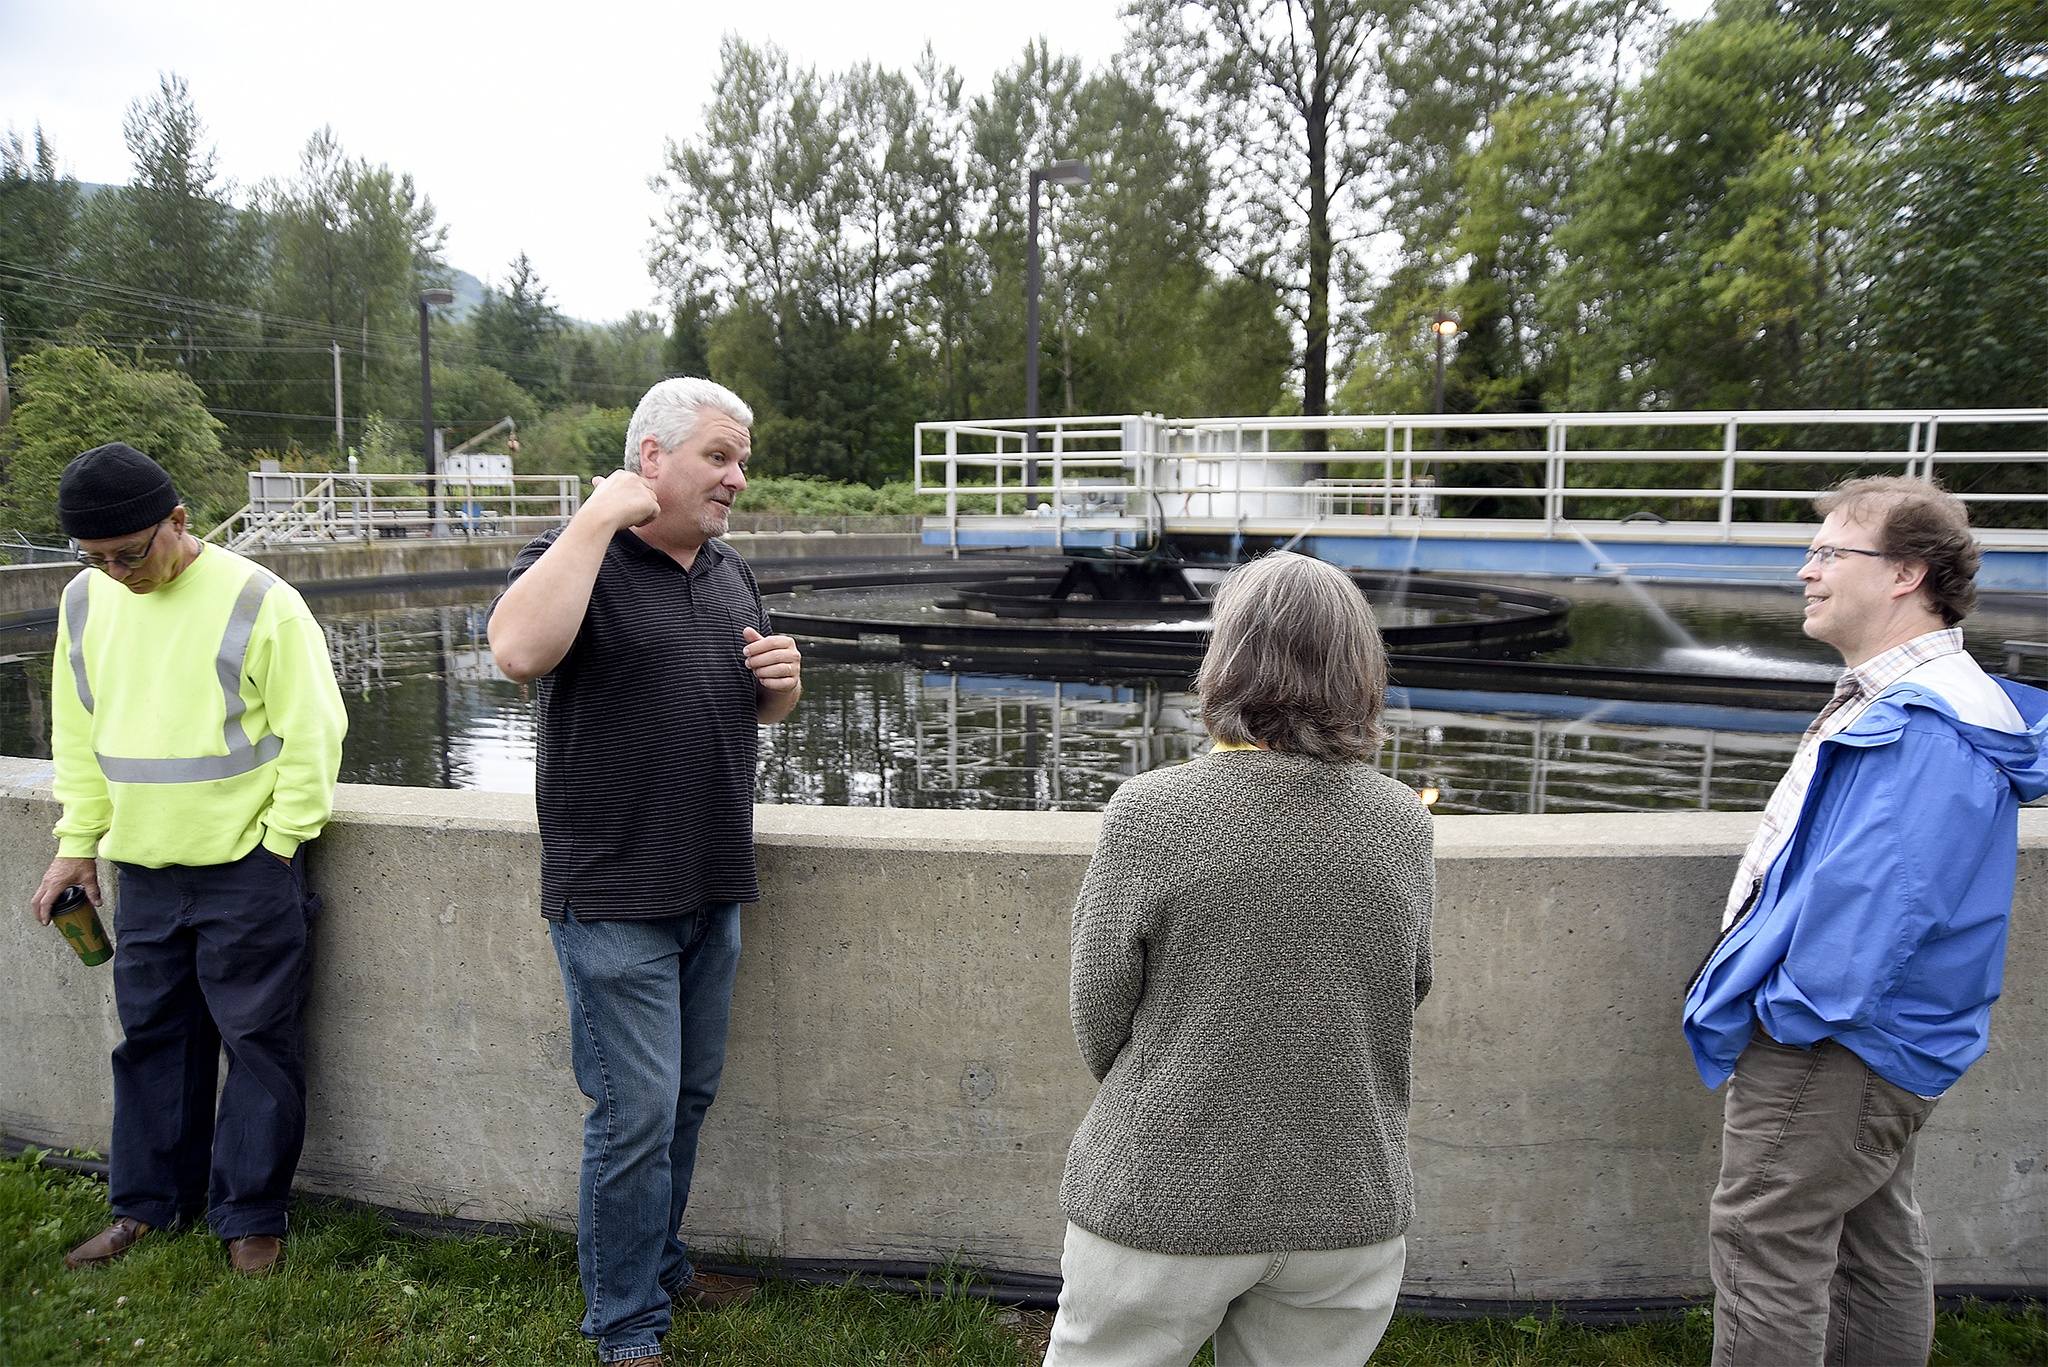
[(1816, 1244), (1124, 1307)]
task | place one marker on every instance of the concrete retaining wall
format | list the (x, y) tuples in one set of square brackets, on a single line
[(29, 593), (903, 1082)]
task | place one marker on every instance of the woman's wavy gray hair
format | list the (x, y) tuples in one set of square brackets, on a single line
[(668, 413), (1295, 661)]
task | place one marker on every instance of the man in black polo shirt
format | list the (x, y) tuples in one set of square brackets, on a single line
[(652, 663)]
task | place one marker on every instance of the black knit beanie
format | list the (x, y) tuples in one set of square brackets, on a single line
[(113, 490)]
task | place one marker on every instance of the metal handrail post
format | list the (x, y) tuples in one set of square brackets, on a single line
[(1265, 467), (1553, 474), (1408, 501), (1059, 444), (1059, 502), (1730, 442), (1387, 485), (953, 486), (1563, 458)]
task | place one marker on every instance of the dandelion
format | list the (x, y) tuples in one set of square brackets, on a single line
[(120, 1301)]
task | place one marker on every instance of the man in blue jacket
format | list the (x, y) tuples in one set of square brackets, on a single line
[(1863, 943)]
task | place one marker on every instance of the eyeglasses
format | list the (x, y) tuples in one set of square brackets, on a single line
[(127, 560), (1827, 555)]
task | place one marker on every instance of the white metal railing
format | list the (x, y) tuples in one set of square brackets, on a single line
[(1406, 495), (18, 548), (1147, 473), (296, 508)]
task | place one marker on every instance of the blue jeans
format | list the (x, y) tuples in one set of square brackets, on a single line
[(649, 1003), (206, 956)]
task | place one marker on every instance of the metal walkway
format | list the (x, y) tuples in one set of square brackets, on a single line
[(1225, 484), (288, 508)]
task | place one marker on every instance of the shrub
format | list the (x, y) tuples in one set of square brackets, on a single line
[(73, 398)]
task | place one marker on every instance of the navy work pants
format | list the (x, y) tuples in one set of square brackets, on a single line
[(206, 957)]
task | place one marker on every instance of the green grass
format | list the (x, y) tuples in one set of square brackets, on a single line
[(353, 1291)]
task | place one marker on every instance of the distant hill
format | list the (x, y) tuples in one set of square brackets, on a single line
[(469, 292)]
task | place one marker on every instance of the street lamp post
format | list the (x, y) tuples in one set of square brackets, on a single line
[(428, 298), (1059, 173), (1444, 327)]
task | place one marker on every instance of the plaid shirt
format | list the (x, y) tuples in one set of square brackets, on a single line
[(1854, 692)]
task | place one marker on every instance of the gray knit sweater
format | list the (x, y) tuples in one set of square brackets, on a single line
[(1250, 943)]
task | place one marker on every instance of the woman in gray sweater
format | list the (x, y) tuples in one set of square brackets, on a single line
[(1249, 946)]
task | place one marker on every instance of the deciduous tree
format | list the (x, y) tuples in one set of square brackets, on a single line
[(175, 259), (38, 208), (1292, 88), (73, 398), (349, 247)]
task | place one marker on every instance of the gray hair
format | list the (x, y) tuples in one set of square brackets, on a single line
[(1295, 661), (668, 413)]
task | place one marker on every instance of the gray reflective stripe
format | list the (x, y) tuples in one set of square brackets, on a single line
[(234, 652), (231, 765), (77, 601), (241, 756)]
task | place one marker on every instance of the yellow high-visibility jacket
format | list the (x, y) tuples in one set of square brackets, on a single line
[(191, 722)]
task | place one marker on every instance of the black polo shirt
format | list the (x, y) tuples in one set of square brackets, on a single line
[(647, 738)]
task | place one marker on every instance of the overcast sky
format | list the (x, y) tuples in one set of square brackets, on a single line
[(533, 126)]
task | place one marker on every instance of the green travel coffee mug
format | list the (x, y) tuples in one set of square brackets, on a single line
[(75, 915)]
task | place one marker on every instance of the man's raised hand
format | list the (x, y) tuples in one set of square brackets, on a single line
[(623, 498)]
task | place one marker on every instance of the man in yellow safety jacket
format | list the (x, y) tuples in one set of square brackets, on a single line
[(196, 731)]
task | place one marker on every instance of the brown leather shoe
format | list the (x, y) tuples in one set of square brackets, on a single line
[(654, 1361), (710, 1291), (255, 1255), (107, 1245)]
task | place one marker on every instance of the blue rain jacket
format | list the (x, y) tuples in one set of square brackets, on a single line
[(1882, 923)]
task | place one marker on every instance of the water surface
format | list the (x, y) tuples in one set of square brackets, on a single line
[(427, 707)]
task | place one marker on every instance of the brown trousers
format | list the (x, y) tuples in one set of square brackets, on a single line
[(1816, 1244)]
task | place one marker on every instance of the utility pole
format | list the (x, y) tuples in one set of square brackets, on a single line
[(1068, 173), (1030, 352), (428, 298), (6, 391), (1444, 327), (340, 442)]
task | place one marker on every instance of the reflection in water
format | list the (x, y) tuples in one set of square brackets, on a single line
[(880, 735), (25, 694), (427, 707), (885, 735), (1513, 762)]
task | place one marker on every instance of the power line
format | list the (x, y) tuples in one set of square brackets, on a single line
[(305, 417), (396, 419), (406, 348), (239, 313), (403, 341), (151, 339)]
